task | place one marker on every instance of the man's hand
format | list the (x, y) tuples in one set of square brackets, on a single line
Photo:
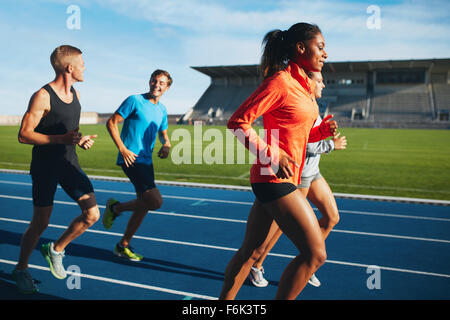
[(128, 157), (164, 152), (87, 142), (71, 137)]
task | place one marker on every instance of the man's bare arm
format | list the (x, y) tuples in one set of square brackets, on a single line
[(38, 107)]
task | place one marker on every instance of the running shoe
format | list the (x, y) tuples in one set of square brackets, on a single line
[(127, 253), (257, 278), (54, 260), (109, 216), (314, 281), (24, 282)]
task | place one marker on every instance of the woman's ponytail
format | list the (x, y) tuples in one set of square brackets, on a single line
[(279, 46), (275, 56)]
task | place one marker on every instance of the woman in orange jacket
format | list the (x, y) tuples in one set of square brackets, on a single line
[(287, 104)]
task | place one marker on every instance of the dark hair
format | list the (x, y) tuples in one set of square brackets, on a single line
[(158, 72), (279, 46)]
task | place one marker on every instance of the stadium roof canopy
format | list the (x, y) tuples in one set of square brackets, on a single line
[(229, 71), (347, 66)]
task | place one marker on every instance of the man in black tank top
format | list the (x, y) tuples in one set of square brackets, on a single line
[(51, 125)]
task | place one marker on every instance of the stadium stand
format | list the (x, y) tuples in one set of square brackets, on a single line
[(441, 93), (399, 93), (85, 118), (229, 87), (401, 103)]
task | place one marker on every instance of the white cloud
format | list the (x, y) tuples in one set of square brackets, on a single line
[(177, 34), (409, 22)]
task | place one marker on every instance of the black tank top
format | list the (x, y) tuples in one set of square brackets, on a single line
[(63, 117)]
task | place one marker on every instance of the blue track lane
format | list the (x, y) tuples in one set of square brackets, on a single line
[(189, 241)]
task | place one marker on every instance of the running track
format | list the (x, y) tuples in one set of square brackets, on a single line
[(189, 241)]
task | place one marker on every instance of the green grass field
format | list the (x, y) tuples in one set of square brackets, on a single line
[(393, 162)]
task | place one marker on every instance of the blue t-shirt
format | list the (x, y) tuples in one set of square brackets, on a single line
[(143, 121)]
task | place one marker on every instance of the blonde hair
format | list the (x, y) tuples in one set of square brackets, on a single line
[(311, 74), (62, 56)]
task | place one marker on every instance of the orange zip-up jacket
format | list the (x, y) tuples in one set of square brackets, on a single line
[(287, 104)]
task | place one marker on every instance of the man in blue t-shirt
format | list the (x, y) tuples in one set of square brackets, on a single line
[(145, 118)]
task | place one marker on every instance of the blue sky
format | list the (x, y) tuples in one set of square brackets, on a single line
[(124, 41)]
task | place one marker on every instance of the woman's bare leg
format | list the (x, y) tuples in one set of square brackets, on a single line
[(297, 220), (260, 229), (322, 197), (277, 234)]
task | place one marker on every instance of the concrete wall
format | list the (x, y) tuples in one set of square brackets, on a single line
[(86, 118)]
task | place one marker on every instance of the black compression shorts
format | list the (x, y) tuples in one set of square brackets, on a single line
[(266, 192), (141, 176), (45, 180)]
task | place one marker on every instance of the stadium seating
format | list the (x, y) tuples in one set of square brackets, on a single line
[(401, 103), (342, 106), (441, 96), (226, 98), (390, 93)]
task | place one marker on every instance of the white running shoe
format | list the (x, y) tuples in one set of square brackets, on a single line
[(314, 281), (257, 278), (54, 260)]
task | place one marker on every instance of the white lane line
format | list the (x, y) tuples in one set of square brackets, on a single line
[(373, 234), (248, 189), (390, 236), (367, 213), (16, 182), (244, 176), (133, 193), (193, 244), (334, 230), (135, 236), (362, 265), (251, 203), (121, 282), (193, 216), (181, 197)]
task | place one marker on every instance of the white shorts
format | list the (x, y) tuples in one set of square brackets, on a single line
[(306, 181)]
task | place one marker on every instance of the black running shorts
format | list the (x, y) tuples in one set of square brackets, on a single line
[(45, 181), (266, 192), (141, 176)]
